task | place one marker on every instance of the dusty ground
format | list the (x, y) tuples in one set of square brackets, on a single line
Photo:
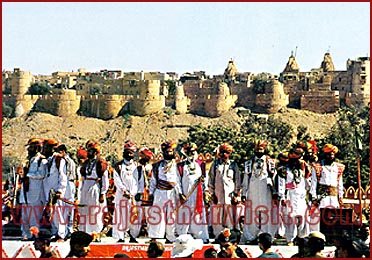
[(149, 130)]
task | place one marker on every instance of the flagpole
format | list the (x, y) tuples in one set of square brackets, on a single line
[(359, 179)]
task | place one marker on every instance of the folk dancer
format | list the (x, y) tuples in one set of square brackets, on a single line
[(56, 179), (224, 188), (191, 217), (72, 177), (144, 168), (259, 192), (126, 183), (32, 195), (166, 193), (93, 190), (326, 186), (311, 158), (293, 188)]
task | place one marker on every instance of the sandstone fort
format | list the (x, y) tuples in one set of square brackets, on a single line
[(109, 93)]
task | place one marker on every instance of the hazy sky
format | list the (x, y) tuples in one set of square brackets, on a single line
[(181, 37)]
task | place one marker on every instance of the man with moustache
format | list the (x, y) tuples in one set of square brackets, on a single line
[(166, 193), (93, 190), (260, 193), (32, 195), (191, 218), (142, 197), (224, 187), (56, 180), (293, 195), (327, 186), (72, 178), (126, 181)]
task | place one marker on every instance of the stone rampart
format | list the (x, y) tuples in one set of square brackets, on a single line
[(147, 106), (104, 106), (326, 102)]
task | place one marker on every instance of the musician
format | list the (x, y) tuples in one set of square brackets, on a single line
[(327, 185), (224, 187), (165, 192), (192, 216)]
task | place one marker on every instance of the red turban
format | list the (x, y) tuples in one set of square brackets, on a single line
[(167, 145), (130, 146), (226, 147), (145, 153), (330, 148), (81, 153), (260, 143), (296, 153)]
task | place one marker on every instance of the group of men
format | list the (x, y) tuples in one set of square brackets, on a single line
[(287, 195)]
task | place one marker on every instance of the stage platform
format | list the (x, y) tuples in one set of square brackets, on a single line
[(107, 248)]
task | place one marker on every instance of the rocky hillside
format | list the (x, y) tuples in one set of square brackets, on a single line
[(148, 130)]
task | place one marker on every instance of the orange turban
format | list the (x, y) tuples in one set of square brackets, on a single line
[(330, 148), (130, 146), (81, 153), (88, 144), (226, 147), (35, 141), (145, 153), (260, 143), (167, 145), (51, 142)]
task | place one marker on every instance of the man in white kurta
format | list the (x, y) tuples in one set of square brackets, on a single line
[(72, 178), (326, 186), (258, 191), (166, 193), (224, 188), (293, 188), (32, 198), (191, 217), (93, 191), (56, 179), (126, 183)]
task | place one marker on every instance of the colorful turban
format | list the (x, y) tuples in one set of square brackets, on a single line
[(328, 148), (296, 153), (260, 143), (130, 146), (81, 153), (226, 147), (283, 157), (145, 153), (95, 146), (191, 147), (88, 144), (167, 145), (35, 141), (53, 143), (312, 143)]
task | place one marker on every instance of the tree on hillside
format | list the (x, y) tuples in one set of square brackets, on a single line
[(39, 88), (242, 139), (342, 134)]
